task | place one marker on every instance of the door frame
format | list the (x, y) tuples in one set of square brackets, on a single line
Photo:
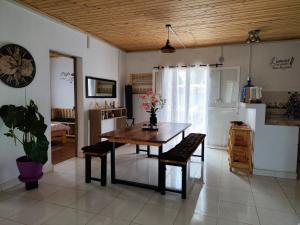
[(75, 69)]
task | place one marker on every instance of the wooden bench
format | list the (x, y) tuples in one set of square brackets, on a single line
[(97, 150), (179, 156)]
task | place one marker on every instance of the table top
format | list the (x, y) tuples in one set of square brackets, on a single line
[(135, 134)]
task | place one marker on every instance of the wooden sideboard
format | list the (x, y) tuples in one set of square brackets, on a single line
[(96, 117)]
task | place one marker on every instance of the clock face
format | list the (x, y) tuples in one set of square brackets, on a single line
[(17, 66)]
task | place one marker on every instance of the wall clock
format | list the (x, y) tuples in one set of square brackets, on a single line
[(17, 66)]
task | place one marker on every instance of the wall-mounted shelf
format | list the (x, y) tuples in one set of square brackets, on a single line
[(141, 82), (98, 115)]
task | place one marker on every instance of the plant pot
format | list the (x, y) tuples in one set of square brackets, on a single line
[(30, 172)]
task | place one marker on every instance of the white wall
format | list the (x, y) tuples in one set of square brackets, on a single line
[(38, 34), (235, 55), (62, 90)]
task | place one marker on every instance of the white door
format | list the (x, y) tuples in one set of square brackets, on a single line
[(223, 98)]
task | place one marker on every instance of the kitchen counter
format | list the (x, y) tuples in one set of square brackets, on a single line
[(275, 141), (282, 121)]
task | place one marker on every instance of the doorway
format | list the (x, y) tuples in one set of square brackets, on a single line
[(64, 136)]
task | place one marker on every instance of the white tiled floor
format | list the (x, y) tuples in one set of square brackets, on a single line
[(220, 198)]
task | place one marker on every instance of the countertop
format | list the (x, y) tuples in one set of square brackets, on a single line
[(283, 121)]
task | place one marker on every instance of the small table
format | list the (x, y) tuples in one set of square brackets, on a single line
[(135, 135)]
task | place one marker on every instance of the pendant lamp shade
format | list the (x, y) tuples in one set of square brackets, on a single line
[(253, 37), (168, 48)]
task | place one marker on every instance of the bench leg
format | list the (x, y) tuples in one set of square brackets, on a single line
[(88, 162), (202, 151), (137, 149), (163, 178), (103, 170), (183, 183)]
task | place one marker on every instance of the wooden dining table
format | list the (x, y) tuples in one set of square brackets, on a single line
[(136, 135)]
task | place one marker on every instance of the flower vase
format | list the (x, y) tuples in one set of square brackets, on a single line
[(153, 119)]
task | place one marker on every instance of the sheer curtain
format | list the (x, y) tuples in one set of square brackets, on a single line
[(185, 91)]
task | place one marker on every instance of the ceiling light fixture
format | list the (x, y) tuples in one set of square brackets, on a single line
[(253, 37), (168, 48)]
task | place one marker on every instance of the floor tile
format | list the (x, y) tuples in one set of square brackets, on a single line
[(100, 220), (238, 212), (235, 185), (153, 214), (267, 188), (70, 217), (37, 213), (242, 197), (273, 202), (206, 192), (272, 217), (170, 200), (43, 191), (194, 219), (202, 206), (295, 202), (93, 202), (65, 196), (4, 196), (138, 194), (63, 179), (122, 209), (13, 205), (230, 222), (8, 222), (291, 191)]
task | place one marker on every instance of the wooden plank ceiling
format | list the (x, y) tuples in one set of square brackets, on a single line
[(136, 25)]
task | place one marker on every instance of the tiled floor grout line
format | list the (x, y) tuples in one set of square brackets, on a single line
[(286, 197), (12, 220), (146, 202), (254, 202)]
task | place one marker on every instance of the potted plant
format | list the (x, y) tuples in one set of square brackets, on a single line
[(151, 103), (30, 123)]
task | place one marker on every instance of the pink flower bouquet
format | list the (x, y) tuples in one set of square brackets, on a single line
[(151, 102)]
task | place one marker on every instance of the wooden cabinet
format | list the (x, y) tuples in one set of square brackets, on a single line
[(98, 115), (240, 148)]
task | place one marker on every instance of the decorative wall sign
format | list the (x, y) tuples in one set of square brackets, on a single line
[(277, 63), (17, 66), (67, 76)]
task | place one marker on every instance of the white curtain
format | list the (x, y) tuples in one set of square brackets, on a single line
[(185, 91)]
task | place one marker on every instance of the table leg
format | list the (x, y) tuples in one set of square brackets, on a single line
[(113, 164), (137, 149), (160, 151), (182, 134), (202, 151), (148, 150)]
